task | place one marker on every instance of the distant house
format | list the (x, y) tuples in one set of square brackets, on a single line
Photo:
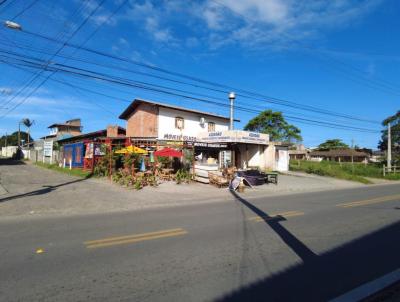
[(299, 153), (64, 130), (340, 155)]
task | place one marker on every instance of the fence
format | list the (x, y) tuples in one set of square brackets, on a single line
[(392, 169), (37, 155)]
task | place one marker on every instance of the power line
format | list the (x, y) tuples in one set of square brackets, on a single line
[(240, 92), (29, 6), (44, 81), (119, 81)]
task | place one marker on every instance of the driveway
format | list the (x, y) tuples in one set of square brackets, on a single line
[(28, 190)]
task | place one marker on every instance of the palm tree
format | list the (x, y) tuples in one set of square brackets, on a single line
[(28, 124)]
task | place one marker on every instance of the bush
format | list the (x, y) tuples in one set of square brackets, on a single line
[(183, 176)]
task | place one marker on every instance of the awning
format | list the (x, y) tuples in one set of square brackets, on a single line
[(131, 149), (168, 152)]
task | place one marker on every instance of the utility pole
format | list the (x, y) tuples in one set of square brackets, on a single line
[(231, 98), (389, 149), (19, 134), (352, 151)]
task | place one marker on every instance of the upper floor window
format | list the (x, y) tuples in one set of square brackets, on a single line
[(179, 123), (211, 126)]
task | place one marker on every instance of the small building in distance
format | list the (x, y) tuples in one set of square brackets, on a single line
[(299, 152), (64, 130), (340, 155)]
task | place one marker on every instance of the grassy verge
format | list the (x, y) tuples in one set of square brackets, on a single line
[(357, 172), (73, 172)]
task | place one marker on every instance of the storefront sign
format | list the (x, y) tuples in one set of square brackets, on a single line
[(48, 148), (210, 145), (179, 137), (235, 136)]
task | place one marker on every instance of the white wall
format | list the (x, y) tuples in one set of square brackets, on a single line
[(166, 123), (8, 151), (282, 159)]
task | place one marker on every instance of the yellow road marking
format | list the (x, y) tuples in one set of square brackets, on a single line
[(275, 215), (369, 201), (133, 238)]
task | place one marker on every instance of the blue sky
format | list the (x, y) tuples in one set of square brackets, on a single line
[(339, 55)]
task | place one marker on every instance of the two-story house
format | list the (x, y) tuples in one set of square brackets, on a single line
[(149, 119), (160, 124)]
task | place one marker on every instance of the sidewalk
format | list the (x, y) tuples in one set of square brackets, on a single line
[(32, 191)]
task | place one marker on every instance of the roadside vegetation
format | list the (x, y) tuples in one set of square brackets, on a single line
[(355, 172), (73, 172)]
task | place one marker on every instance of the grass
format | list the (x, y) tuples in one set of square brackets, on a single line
[(74, 172), (357, 172)]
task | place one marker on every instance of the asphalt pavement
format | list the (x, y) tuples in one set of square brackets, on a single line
[(300, 247)]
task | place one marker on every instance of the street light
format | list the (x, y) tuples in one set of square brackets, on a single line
[(12, 25), (231, 99)]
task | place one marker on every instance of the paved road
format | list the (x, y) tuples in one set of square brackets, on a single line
[(304, 247)]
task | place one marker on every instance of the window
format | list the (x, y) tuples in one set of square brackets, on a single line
[(179, 123), (211, 127)]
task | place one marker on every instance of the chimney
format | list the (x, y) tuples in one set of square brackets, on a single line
[(112, 131)]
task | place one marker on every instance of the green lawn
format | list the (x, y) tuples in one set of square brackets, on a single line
[(357, 172), (73, 172)]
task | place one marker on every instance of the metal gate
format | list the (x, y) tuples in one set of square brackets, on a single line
[(74, 152)]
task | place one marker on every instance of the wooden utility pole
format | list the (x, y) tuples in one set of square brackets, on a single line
[(19, 134), (389, 149), (352, 151)]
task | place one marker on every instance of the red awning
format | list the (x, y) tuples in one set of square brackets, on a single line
[(168, 152)]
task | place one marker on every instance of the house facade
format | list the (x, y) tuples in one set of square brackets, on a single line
[(207, 133), (148, 119), (63, 130)]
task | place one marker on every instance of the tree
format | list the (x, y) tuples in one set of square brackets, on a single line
[(394, 121), (335, 143), (12, 139), (274, 124), (28, 124)]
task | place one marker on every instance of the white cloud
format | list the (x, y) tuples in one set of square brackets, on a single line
[(260, 23), (277, 22)]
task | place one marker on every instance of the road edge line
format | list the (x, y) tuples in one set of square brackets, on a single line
[(369, 288)]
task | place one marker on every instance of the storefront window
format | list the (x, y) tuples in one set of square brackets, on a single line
[(179, 123), (211, 127)]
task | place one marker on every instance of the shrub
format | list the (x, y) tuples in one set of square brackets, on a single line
[(182, 176)]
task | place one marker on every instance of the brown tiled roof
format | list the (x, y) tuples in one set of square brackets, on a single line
[(95, 134), (64, 124), (124, 115), (338, 152)]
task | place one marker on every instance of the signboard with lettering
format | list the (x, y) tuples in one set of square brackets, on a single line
[(178, 137), (210, 145), (48, 148), (235, 136)]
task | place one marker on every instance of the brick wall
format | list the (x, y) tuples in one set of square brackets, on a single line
[(143, 122), (112, 131)]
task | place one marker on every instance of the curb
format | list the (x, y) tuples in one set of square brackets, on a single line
[(369, 288)]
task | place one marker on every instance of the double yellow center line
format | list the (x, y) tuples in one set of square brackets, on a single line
[(369, 201), (134, 238), (276, 215)]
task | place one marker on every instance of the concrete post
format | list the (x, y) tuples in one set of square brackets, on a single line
[(389, 149)]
